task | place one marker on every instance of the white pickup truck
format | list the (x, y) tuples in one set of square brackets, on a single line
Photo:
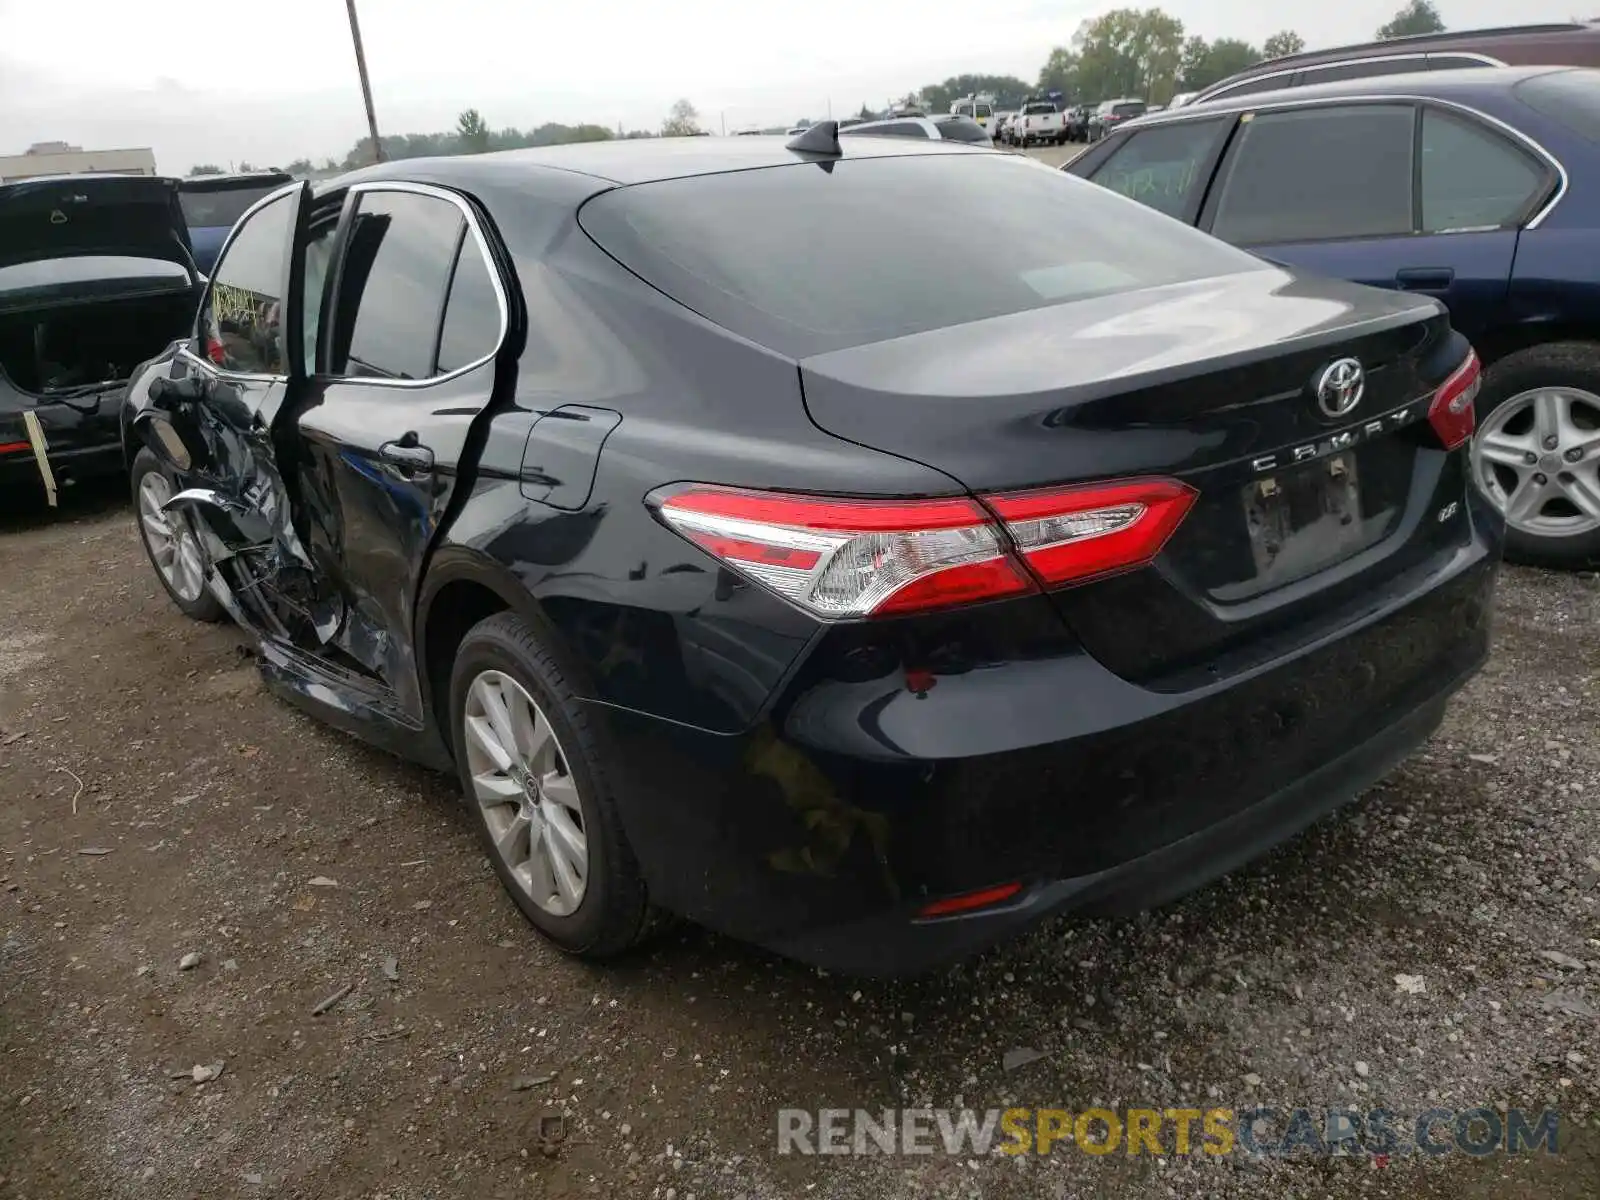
[(1039, 122)]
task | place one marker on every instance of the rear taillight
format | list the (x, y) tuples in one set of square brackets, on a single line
[(15, 447), (1067, 535), (1451, 413), (867, 558)]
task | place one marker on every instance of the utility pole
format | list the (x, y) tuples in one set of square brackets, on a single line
[(366, 86)]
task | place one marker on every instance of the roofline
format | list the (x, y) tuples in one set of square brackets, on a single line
[(1408, 38)]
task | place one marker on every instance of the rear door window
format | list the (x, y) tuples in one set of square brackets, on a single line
[(1162, 167), (392, 283), (805, 260), (472, 320), (1472, 177), (1318, 174)]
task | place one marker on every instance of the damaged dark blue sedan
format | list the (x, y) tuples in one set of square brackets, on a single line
[(758, 547)]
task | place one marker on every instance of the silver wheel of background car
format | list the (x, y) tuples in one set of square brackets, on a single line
[(173, 546), (521, 780), (1537, 456)]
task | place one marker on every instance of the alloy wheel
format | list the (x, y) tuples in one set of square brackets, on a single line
[(1537, 456), (173, 547), (524, 786)]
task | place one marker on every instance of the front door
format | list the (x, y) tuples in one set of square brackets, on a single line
[(404, 361)]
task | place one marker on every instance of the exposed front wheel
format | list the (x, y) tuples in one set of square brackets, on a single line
[(1536, 452), (537, 789), (170, 542)]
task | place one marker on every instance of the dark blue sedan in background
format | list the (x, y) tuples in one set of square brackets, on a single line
[(1479, 187), (212, 203)]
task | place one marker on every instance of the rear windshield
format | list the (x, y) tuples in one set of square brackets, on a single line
[(1035, 109), (1571, 97), (213, 210), (962, 129), (1127, 110), (817, 257)]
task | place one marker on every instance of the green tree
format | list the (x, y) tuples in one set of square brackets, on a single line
[(300, 166), (1223, 57), (1283, 43), (1130, 52), (866, 114), (1418, 16), (1060, 74), (682, 121), (473, 132), (204, 169), (1007, 90)]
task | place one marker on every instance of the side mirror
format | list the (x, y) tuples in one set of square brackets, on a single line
[(187, 390)]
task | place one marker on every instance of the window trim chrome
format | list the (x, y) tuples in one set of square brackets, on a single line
[(1419, 55), (474, 230), (1194, 112), (187, 352)]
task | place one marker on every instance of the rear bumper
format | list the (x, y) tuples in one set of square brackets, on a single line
[(822, 832), (82, 441)]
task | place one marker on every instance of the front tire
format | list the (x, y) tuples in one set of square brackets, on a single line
[(533, 774), (169, 541), (1536, 452)]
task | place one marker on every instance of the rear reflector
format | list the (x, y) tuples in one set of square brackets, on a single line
[(1067, 535), (1451, 413), (14, 447), (869, 558), (968, 901), (851, 558)]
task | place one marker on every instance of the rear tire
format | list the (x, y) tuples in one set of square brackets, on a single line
[(169, 541), (1507, 409), (502, 656)]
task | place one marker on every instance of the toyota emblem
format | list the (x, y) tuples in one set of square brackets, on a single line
[(1340, 387)]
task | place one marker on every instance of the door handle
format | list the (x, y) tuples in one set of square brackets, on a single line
[(408, 453), (1425, 279)]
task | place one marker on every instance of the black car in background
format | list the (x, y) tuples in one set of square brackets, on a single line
[(757, 546), (96, 275)]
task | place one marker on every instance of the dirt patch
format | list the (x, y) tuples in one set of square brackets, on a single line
[(160, 804)]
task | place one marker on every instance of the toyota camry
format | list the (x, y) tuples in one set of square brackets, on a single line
[(756, 546)]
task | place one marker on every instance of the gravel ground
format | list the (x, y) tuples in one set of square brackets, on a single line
[(160, 805)]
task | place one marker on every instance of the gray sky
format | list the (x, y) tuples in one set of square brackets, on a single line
[(272, 81)]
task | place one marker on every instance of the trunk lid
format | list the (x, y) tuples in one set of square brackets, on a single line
[(131, 216), (1213, 383)]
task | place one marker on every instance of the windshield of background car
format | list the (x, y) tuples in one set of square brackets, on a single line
[(1571, 97), (810, 258), (220, 209)]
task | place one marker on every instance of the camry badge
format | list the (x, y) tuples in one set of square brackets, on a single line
[(1340, 387)]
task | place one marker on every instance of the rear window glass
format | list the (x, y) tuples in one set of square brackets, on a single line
[(1571, 97), (1035, 109), (962, 129), (812, 258), (1127, 110), (213, 210)]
